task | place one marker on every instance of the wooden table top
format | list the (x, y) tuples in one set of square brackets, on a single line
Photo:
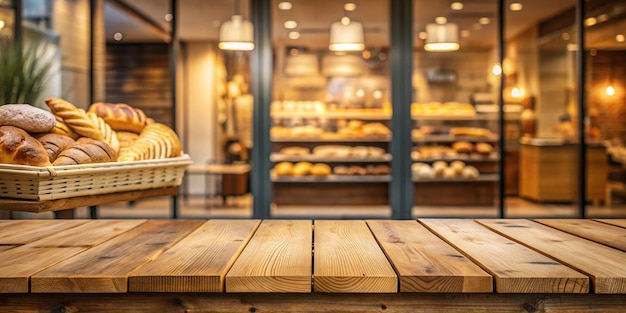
[(321, 256)]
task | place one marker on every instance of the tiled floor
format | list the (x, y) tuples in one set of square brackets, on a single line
[(197, 207)]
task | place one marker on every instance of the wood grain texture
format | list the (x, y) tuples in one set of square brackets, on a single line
[(616, 222), (4, 248), (314, 302), (89, 234), (516, 268), (348, 259), (25, 231), (69, 203), (277, 259), (19, 264), (424, 262), (199, 262), (605, 265), (606, 234), (105, 268)]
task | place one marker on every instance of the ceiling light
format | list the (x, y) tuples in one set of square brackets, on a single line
[(590, 21), (619, 38), (349, 6), (284, 5), (496, 70), (1, 24), (422, 35), (290, 24), (346, 35), (456, 5), (442, 37), (610, 91), (118, 36), (515, 6), (441, 20), (169, 17), (236, 34), (465, 33), (294, 35), (484, 20)]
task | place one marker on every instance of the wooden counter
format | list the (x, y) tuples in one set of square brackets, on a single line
[(429, 265)]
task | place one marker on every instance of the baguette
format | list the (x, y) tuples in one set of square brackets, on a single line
[(62, 129), (120, 116), (54, 144), (156, 141), (76, 118), (18, 147), (85, 151)]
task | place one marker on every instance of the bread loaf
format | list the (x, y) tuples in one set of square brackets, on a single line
[(85, 151), (76, 118), (109, 134), (27, 117), (62, 129), (54, 144), (156, 141), (18, 147), (120, 116), (126, 139)]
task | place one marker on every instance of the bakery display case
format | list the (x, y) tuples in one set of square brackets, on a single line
[(455, 158), (325, 156)]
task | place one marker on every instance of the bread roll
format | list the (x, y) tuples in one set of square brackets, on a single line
[(484, 148), (156, 141), (439, 167), (340, 170), (320, 169), (462, 147), (27, 117), (120, 116), (357, 170), (18, 147), (294, 151), (62, 129), (458, 166), (77, 119), (470, 172), (283, 169), (449, 173), (301, 168), (54, 144), (85, 151)]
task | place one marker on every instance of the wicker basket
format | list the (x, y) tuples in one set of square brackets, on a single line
[(58, 182)]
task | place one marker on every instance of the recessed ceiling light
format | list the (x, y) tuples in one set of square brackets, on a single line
[(284, 5), (515, 6), (590, 21), (349, 6), (456, 5), (441, 20), (290, 24), (118, 36), (422, 35), (619, 38), (465, 33), (169, 17), (294, 35)]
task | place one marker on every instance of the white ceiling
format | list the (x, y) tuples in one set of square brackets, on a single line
[(199, 20)]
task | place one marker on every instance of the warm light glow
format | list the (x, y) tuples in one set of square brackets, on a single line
[(484, 20), (169, 17), (591, 21), (290, 24), (345, 20), (572, 47), (456, 5), (118, 36), (377, 94), (465, 33), (236, 34), (610, 91), (442, 38), (242, 46), (1, 24), (349, 6), (346, 37), (294, 35), (496, 70), (565, 36), (441, 20), (360, 93), (422, 35), (442, 47), (515, 6), (516, 92), (284, 5), (603, 17), (619, 38), (346, 47)]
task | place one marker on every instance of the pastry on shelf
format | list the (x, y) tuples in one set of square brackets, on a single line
[(320, 169), (439, 167), (457, 166), (280, 132), (376, 130), (483, 148), (306, 131), (422, 171), (356, 170), (462, 147), (340, 170), (470, 172), (283, 169), (449, 173), (301, 169), (294, 151), (470, 132)]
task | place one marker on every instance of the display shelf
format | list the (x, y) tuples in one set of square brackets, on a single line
[(476, 117), (466, 158), (277, 157), (333, 179), (330, 139), (357, 115), (481, 178), (450, 138)]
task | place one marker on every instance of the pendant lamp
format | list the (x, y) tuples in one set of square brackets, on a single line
[(236, 33), (346, 35), (442, 37)]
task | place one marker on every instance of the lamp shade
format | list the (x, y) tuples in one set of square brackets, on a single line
[(346, 37), (236, 34), (302, 65), (442, 37)]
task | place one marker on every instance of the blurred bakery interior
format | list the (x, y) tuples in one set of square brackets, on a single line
[(360, 108)]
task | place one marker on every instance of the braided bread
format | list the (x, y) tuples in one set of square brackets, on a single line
[(110, 136), (62, 129), (156, 141), (120, 116), (76, 118)]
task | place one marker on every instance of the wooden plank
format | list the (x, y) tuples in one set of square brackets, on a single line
[(606, 234), (25, 231), (347, 258), (277, 259), (516, 268), (616, 222), (4, 248), (19, 264), (424, 262), (89, 234), (605, 265), (69, 203), (314, 302), (199, 262), (106, 267)]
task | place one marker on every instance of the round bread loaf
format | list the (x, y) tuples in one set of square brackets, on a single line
[(27, 117)]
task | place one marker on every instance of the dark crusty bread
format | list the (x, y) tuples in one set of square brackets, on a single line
[(85, 151), (120, 116), (54, 144), (18, 147)]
